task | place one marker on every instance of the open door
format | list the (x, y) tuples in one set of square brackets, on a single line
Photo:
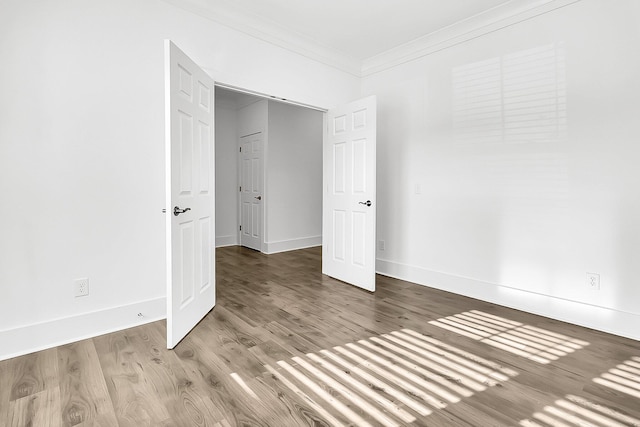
[(349, 209), (189, 121)]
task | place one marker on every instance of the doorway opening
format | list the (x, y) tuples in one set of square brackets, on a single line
[(268, 172), (300, 172)]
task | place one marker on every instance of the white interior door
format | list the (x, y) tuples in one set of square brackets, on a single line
[(251, 191), (189, 122), (349, 208)]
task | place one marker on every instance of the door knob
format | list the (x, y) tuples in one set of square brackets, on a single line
[(367, 203), (177, 211), (258, 197)]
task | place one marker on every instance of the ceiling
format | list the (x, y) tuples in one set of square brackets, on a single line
[(358, 28)]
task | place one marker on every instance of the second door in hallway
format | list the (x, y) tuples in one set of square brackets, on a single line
[(251, 191)]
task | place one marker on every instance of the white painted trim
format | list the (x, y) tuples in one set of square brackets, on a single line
[(591, 316), (40, 336), (292, 245), (267, 97), (494, 19), (227, 241)]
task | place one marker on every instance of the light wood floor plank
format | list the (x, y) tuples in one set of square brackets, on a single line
[(134, 399), (83, 391), (37, 409), (32, 373)]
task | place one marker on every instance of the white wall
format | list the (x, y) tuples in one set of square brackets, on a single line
[(226, 175), (520, 223), (293, 178), (82, 154), (253, 118)]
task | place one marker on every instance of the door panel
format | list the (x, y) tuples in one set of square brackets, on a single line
[(339, 167), (349, 215), (360, 167), (186, 253), (359, 221), (251, 185), (190, 173)]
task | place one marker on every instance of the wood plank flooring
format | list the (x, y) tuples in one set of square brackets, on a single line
[(287, 346)]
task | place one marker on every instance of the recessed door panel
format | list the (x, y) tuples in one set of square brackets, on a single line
[(246, 175), (339, 124), (359, 119), (255, 176), (339, 238), (359, 238), (205, 253), (359, 170), (204, 132), (185, 82), (186, 152), (246, 218), (255, 220), (339, 168), (205, 97), (186, 274)]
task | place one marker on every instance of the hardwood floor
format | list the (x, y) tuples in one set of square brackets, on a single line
[(286, 346)]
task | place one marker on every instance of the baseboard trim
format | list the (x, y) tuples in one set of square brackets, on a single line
[(40, 336), (590, 316), (292, 245), (227, 241)]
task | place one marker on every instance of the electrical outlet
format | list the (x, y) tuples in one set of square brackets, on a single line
[(381, 245), (593, 281), (81, 287)]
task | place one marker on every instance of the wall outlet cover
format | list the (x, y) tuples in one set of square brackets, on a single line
[(81, 287)]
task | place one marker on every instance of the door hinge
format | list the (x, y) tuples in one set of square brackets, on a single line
[(240, 189), (240, 228), (241, 149)]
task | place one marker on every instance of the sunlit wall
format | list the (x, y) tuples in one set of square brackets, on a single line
[(508, 164)]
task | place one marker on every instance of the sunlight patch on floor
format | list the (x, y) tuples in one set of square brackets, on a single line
[(305, 397), (527, 341), (243, 385), (390, 379), (575, 411), (624, 378)]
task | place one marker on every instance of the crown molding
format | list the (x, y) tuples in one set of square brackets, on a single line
[(270, 32), (494, 19), (491, 20)]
